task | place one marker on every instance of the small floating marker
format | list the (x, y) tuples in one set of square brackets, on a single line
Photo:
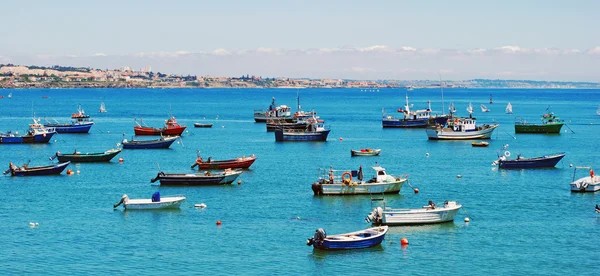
[(201, 205), (120, 159), (467, 219), (218, 222), (239, 181), (570, 165), (69, 172), (108, 131), (54, 140), (31, 224), (427, 154), (78, 172), (297, 218), (37, 224), (404, 241), (341, 139), (416, 190), (223, 126), (459, 176)]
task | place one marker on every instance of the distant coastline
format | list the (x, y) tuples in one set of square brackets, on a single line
[(19, 76)]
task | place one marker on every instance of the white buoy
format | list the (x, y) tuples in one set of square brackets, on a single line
[(37, 224), (467, 220), (78, 171), (459, 176), (223, 126), (201, 205), (297, 218), (108, 131), (570, 165), (31, 224), (427, 154)]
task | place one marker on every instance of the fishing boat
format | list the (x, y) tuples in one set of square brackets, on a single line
[(102, 107), (37, 133), (549, 124), (585, 184), (354, 240), (155, 203), (460, 129), (237, 163), (429, 214), (26, 170), (78, 157), (202, 125), (484, 108), (546, 161), (509, 109), (480, 144), (285, 123), (80, 123), (80, 115), (197, 179), (365, 152), (162, 143), (341, 182), (274, 111), (171, 128), (314, 131), (412, 119)]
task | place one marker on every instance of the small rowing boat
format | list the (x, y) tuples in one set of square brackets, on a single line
[(354, 240)]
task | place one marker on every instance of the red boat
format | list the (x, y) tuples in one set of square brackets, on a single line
[(238, 163), (171, 128)]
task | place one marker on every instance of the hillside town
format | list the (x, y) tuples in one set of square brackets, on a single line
[(19, 76)]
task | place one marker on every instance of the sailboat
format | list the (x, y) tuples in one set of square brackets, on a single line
[(470, 109), (451, 108), (509, 109), (102, 107), (484, 108), (9, 95)]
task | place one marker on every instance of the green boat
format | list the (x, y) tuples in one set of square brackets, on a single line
[(77, 157), (549, 124)]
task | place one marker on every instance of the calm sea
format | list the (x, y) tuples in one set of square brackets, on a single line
[(522, 221)]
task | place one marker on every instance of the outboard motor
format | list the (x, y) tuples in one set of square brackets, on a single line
[(318, 238), (157, 177), (317, 188), (124, 199), (375, 216)]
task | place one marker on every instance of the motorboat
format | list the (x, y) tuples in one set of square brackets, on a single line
[(429, 214), (351, 182), (155, 203), (354, 240)]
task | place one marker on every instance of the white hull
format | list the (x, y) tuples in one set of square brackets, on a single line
[(147, 204), (230, 177), (449, 134), (586, 184), (365, 153), (363, 188), (419, 216)]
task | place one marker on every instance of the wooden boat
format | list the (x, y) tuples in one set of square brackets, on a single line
[(25, 170), (549, 124), (365, 152), (197, 179), (340, 182), (37, 133), (237, 163), (171, 128), (274, 111), (314, 131), (585, 184), (412, 119), (162, 143), (78, 157), (354, 240), (480, 144), (202, 125), (155, 203), (429, 214), (460, 129), (546, 161)]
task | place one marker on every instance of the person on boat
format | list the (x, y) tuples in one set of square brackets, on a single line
[(331, 175), (431, 204), (208, 161), (518, 156), (199, 160)]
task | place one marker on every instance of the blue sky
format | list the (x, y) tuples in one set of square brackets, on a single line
[(552, 40)]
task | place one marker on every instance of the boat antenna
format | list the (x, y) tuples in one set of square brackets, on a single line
[(158, 166), (442, 89), (298, 98)]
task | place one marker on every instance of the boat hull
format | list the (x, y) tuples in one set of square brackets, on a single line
[(72, 128), (283, 136), (28, 139), (531, 128), (365, 153), (242, 163), (196, 179), (539, 162), (356, 240), (414, 123), (359, 189), (147, 204), (88, 157), (448, 134), (44, 170), (149, 144), (419, 216), (203, 125), (174, 131)]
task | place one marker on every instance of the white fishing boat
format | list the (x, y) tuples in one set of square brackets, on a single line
[(484, 108), (429, 214), (460, 129), (154, 203), (365, 152), (341, 182), (102, 107), (509, 108), (589, 183)]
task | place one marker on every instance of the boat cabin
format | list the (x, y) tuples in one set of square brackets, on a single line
[(462, 124)]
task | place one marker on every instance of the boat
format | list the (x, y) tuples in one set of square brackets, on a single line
[(314, 131), (429, 214), (171, 128), (80, 123), (197, 179), (102, 107), (78, 157), (484, 108), (460, 129), (285, 123), (340, 182), (9, 95), (412, 119), (509, 109), (365, 152), (274, 111), (480, 144), (155, 203), (25, 170), (451, 109), (162, 143), (80, 115), (37, 133), (355, 240), (546, 161), (202, 125), (549, 124), (585, 184), (237, 163)]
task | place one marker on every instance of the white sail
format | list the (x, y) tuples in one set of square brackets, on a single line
[(451, 108), (470, 108), (102, 107), (508, 108), (9, 95), (484, 108), (597, 111)]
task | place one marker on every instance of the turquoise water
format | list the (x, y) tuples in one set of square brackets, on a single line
[(522, 221)]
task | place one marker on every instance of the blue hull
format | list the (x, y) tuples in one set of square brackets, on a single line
[(540, 162), (343, 245), (148, 145), (71, 128), (412, 123), (281, 136), (38, 138)]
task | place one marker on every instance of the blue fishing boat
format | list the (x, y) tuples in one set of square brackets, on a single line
[(25, 170), (314, 131), (80, 123), (546, 161), (162, 143), (412, 119), (355, 240), (37, 133)]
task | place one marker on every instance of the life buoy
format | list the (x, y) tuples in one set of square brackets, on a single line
[(346, 180), (507, 153), (592, 174)]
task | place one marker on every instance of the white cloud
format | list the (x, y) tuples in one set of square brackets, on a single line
[(99, 55), (221, 52), (408, 49), (511, 49), (594, 51), (374, 48), (478, 51)]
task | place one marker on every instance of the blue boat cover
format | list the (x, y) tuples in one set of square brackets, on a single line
[(156, 197)]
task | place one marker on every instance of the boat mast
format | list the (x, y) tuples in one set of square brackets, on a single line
[(442, 89)]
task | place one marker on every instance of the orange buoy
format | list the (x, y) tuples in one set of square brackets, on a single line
[(341, 138), (239, 182), (218, 222), (121, 159), (416, 190), (404, 241), (69, 171)]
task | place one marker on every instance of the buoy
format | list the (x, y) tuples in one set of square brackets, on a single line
[(427, 154), (404, 241), (297, 218), (459, 176), (223, 126), (239, 181), (570, 165), (416, 190), (120, 159), (341, 138), (37, 224), (69, 171), (78, 171), (201, 205), (108, 131), (467, 220), (31, 224), (218, 222)]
